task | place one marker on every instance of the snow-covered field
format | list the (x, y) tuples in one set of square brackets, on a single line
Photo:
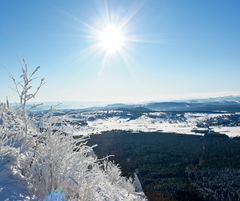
[(183, 123)]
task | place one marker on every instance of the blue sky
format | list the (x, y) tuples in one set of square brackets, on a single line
[(188, 49)]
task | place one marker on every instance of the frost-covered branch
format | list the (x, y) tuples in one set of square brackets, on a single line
[(24, 87), (25, 91)]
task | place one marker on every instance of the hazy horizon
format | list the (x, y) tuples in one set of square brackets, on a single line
[(85, 104)]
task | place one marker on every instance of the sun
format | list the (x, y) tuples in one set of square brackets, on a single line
[(111, 39), (110, 35)]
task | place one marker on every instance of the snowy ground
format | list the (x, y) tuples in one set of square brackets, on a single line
[(230, 131), (13, 186), (187, 123)]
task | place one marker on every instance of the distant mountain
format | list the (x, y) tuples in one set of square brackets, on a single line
[(167, 106), (218, 99), (195, 106), (120, 105), (228, 103)]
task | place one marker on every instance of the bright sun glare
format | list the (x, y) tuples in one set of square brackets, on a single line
[(110, 34), (111, 39)]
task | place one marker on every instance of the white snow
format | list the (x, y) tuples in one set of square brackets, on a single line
[(146, 123), (230, 131), (13, 186)]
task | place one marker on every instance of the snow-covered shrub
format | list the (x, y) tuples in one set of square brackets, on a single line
[(4, 137), (13, 156), (12, 131), (62, 162), (114, 173), (16, 127)]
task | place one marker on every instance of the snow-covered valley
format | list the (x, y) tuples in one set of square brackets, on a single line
[(96, 122)]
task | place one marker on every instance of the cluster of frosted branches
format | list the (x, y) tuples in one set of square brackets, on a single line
[(65, 163), (12, 129)]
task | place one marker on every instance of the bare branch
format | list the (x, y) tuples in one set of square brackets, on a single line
[(24, 86)]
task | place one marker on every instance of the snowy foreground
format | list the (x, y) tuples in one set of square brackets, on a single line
[(47, 165)]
